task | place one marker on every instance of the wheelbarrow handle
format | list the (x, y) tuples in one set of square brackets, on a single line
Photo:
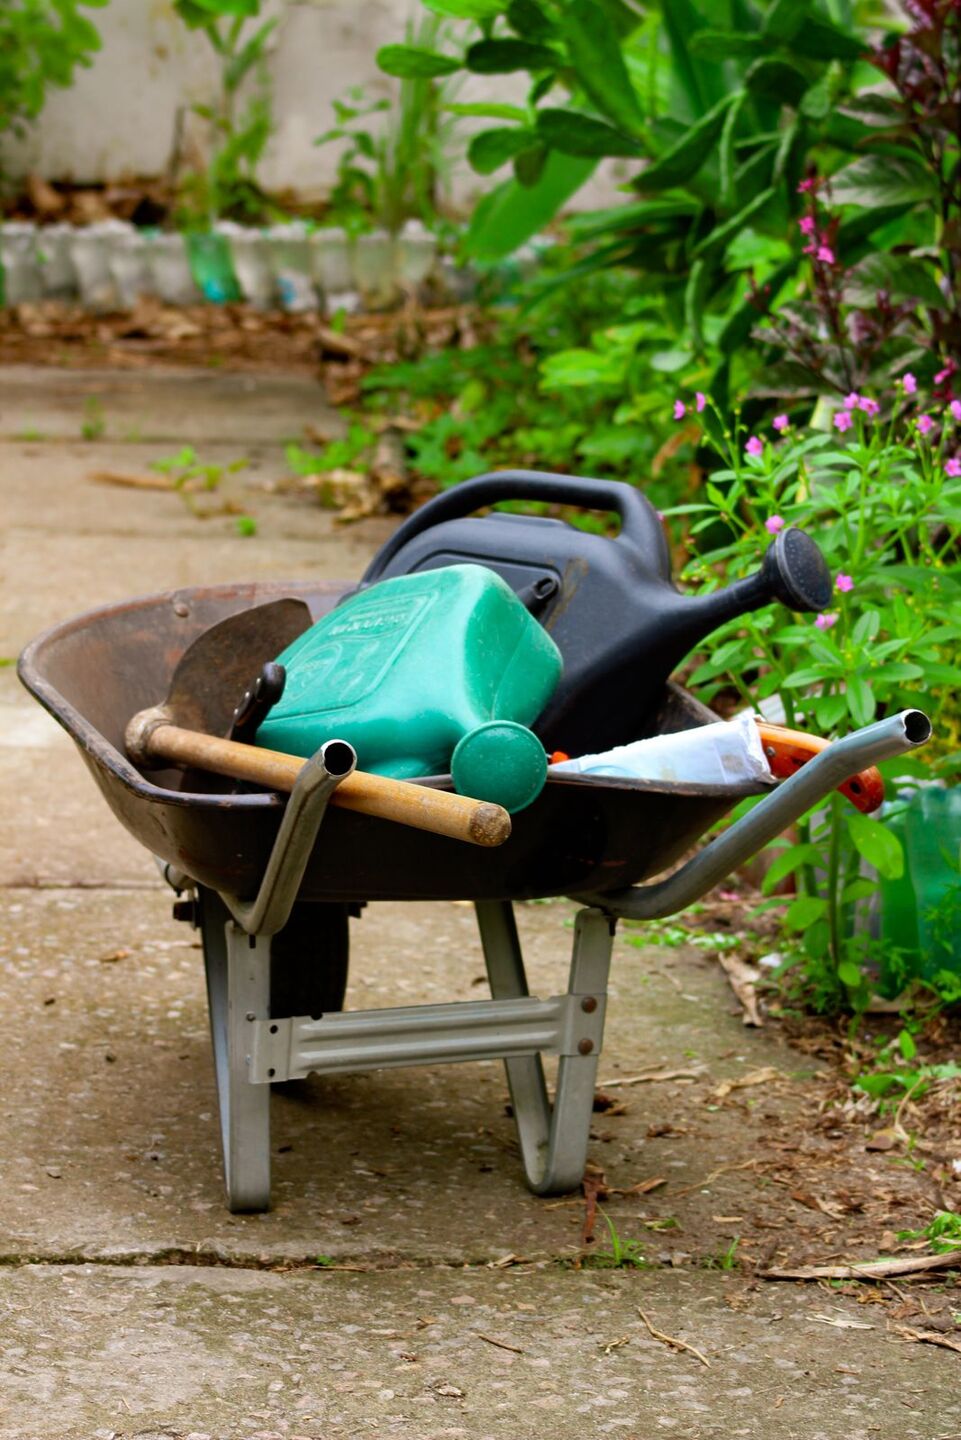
[(836, 763), (787, 750), (151, 738)]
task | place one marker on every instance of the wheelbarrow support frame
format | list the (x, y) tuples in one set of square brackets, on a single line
[(254, 1049)]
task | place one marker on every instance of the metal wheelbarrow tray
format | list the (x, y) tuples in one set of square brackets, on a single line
[(272, 884)]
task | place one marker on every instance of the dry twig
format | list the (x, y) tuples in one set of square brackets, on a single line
[(868, 1269), (650, 1077), (673, 1341), (928, 1337), (131, 482), (501, 1344), (753, 1164)]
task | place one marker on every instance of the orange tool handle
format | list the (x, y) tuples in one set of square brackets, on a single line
[(787, 750)]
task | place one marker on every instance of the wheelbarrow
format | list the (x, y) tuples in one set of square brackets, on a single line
[(271, 885)]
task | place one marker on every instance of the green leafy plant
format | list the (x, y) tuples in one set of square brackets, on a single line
[(94, 422), (864, 308), (675, 937), (624, 1254), (719, 110), (884, 501), (190, 475), (41, 44), (396, 158), (725, 1259), (486, 405), (892, 1082), (238, 132), (943, 1232)]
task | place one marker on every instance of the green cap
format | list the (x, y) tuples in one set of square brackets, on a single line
[(502, 762)]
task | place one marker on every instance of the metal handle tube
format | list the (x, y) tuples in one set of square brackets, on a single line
[(835, 764), (305, 810)]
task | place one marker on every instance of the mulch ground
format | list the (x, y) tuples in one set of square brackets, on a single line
[(232, 337), (809, 1173)]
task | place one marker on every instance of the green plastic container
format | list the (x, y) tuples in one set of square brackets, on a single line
[(921, 910), (212, 267), (438, 671)]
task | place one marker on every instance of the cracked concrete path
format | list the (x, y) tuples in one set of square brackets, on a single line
[(449, 1308), (116, 1352)]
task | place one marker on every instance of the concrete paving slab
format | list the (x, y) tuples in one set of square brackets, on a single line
[(69, 544), (183, 406), (170, 1353), (108, 1124), (56, 829)]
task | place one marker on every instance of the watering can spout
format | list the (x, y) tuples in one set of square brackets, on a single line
[(612, 701), (793, 572)]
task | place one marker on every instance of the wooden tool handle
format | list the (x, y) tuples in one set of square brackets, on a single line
[(479, 822), (787, 750)]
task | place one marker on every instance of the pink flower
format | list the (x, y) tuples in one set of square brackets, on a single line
[(680, 410), (909, 383), (754, 446), (843, 421), (825, 255), (925, 424), (825, 622), (806, 185), (700, 400), (952, 467), (955, 408), (844, 583), (773, 524), (869, 406), (806, 224), (852, 401), (946, 373), (810, 248), (781, 423)]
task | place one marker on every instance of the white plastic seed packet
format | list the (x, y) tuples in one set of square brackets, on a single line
[(726, 753)]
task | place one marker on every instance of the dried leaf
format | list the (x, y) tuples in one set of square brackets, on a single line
[(743, 978), (764, 1076)]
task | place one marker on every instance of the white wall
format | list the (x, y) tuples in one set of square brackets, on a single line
[(119, 116)]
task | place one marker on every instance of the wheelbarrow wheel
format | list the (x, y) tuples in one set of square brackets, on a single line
[(309, 958)]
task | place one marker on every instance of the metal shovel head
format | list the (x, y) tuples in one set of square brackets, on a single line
[(213, 673)]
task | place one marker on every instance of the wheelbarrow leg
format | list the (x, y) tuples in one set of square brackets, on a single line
[(553, 1142), (238, 992)]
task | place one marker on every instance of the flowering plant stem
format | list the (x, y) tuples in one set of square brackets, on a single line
[(883, 499)]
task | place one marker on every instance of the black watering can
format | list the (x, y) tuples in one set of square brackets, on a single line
[(609, 604)]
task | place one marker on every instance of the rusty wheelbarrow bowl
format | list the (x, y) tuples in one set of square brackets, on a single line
[(583, 834)]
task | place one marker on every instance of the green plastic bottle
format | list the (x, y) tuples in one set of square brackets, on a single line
[(921, 909), (438, 671)]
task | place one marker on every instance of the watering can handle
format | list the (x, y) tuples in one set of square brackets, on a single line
[(640, 525)]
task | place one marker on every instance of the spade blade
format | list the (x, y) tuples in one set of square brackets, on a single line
[(213, 673)]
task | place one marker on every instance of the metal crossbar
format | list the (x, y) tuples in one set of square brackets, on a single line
[(420, 1035)]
